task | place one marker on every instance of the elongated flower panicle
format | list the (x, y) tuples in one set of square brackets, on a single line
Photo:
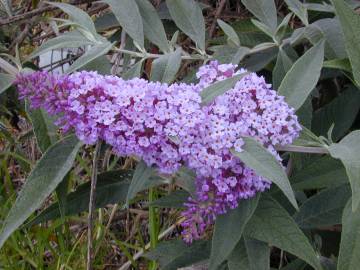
[(141, 118)]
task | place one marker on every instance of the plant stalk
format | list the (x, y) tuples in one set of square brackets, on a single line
[(90, 254), (153, 226)]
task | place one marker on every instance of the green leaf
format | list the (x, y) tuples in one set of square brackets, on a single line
[(349, 255), (227, 54), (165, 68), (283, 64), (6, 80), (238, 259), (258, 158), (323, 209), (134, 71), (153, 27), (323, 172), (219, 88), (258, 254), (228, 230), (303, 76), (185, 178), (72, 39), (342, 64), (341, 112), (272, 224), (144, 177), (128, 15), (347, 150), (175, 253), (350, 23), (77, 15), (94, 52), (187, 15), (111, 187), (230, 32), (299, 9), (43, 126), (249, 254), (335, 41), (101, 64), (47, 174), (175, 199), (264, 10)]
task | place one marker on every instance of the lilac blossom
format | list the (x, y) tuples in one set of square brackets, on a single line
[(139, 118)]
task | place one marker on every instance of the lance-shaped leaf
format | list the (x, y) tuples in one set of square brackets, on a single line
[(228, 230), (265, 11), (283, 64), (340, 112), (175, 254), (77, 15), (42, 181), (144, 177), (350, 23), (111, 187), (128, 15), (187, 15), (164, 68), (72, 39), (211, 92), (303, 76), (43, 126), (348, 151), (94, 52), (323, 209), (250, 254), (258, 158), (349, 255), (272, 224), (230, 32), (153, 27), (6, 81), (299, 9)]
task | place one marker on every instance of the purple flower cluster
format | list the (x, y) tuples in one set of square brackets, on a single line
[(142, 118)]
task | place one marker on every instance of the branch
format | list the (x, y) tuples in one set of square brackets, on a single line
[(90, 254)]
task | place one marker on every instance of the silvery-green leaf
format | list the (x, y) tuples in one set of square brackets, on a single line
[(272, 224), (90, 55), (134, 71), (283, 64), (350, 23), (228, 230), (349, 255), (188, 17), (341, 112), (164, 68), (153, 27), (72, 39), (258, 158), (219, 88), (303, 76), (263, 27), (348, 151), (323, 209), (6, 81), (77, 15), (128, 15), (230, 32), (342, 64), (299, 9), (43, 126), (49, 171), (264, 10)]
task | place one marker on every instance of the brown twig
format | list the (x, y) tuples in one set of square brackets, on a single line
[(217, 15)]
